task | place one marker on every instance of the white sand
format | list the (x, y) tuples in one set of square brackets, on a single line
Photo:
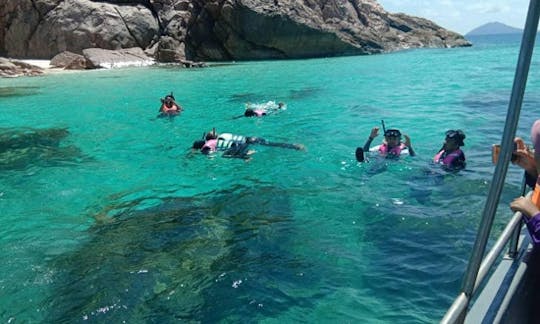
[(44, 64)]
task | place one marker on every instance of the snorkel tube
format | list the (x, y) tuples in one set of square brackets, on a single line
[(383, 128), (212, 135)]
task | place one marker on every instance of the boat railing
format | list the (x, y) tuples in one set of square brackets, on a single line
[(476, 268), (510, 235)]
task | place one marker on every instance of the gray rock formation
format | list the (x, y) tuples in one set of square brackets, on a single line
[(69, 61), (44, 28), (213, 30), (14, 68), (101, 58)]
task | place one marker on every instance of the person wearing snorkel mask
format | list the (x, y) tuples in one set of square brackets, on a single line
[(169, 107), (450, 156), (392, 147)]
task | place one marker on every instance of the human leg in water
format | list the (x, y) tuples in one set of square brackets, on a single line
[(262, 141), (240, 151)]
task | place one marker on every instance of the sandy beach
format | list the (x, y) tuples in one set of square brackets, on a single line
[(44, 64)]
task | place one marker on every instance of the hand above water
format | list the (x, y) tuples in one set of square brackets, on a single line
[(374, 132), (525, 206)]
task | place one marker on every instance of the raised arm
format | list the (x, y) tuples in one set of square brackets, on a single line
[(408, 144), (374, 133)]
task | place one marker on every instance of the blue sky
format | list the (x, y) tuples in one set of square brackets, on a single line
[(463, 15)]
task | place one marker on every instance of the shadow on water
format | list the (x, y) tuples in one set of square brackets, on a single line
[(293, 95), (18, 91), (24, 147), (304, 93), (423, 184), (497, 101), (213, 257), (244, 97)]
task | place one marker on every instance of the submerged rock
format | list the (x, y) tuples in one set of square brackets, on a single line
[(21, 148), (214, 30), (202, 259), (18, 91)]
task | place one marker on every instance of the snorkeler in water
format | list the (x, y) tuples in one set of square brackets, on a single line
[(169, 107), (392, 146), (450, 156), (236, 146), (260, 110)]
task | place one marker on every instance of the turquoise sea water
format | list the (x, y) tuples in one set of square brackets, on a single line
[(118, 221)]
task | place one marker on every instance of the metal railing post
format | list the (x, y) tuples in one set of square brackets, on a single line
[(514, 240), (495, 189)]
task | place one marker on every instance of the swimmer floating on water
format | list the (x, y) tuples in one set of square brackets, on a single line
[(260, 110), (392, 147), (235, 146)]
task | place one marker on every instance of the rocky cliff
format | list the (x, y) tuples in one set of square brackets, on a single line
[(213, 30)]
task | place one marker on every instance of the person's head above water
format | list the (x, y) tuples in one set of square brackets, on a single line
[(392, 133), (455, 138), (392, 137), (211, 135), (197, 145), (249, 112), (168, 100)]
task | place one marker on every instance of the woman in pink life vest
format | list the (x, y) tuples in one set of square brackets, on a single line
[(392, 147), (450, 156), (169, 107)]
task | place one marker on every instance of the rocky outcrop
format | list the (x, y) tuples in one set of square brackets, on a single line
[(69, 61), (101, 58), (213, 30), (95, 58), (43, 28), (14, 68)]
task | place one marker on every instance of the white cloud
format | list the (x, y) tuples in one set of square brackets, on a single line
[(490, 8)]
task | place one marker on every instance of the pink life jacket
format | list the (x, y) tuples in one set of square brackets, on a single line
[(210, 144), (394, 151), (174, 109), (259, 112), (448, 159)]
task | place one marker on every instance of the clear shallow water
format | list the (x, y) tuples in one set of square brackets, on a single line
[(121, 222)]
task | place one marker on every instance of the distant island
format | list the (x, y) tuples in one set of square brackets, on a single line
[(494, 28)]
